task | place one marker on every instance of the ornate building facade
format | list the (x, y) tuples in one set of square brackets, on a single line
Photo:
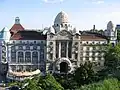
[(58, 49), (68, 47)]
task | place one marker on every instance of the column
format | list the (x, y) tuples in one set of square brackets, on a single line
[(16, 57), (67, 50), (54, 50), (59, 49), (31, 52), (24, 57)]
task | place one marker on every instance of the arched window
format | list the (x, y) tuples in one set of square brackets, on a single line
[(28, 47), (27, 57), (20, 47), (35, 57), (20, 57), (65, 25), (35, 47), (13, 57)]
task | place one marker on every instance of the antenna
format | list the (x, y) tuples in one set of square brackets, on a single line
[(42, 27)]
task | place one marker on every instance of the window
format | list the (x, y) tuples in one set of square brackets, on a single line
[(51, 36), (51, 56), (76, 56), (87, 48), (35, 47), (93, 59), (94, 48), (28, 47), (87, 58), (51, 43), (20, 42), (35, 57), (20, 57), (27, 57), (81, 48), (34, 42), (65, 25), (99, 58), (41, 41), (13, 57), (87, 54), (61, 25), (93, 54), (20, 47), (76, 43), (27, 42), (63, 49)]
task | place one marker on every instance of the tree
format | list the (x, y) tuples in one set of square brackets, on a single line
[(85, 73), (49, 83), (107, 84), (112, 61), (67, 81)]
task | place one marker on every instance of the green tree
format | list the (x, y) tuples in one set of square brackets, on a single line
[(85, 73), (107, 84), (67, 81), (112, 61), (49, 83)]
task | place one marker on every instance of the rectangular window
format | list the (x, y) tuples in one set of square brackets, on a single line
[(76, 56), (51, 56)]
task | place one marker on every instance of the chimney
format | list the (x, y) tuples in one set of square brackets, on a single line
[(93, 28)]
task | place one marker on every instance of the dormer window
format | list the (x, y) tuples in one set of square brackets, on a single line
[(34, 42), (65, 25)]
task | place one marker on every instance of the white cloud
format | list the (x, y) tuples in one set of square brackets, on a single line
[(98, 1), (53, 1)]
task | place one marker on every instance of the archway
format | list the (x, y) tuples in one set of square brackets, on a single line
[(63, 67)]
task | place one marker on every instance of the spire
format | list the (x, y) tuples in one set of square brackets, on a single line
[(17, 20), (93, 28)]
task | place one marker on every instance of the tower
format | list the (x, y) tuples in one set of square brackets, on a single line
[(17, 20), (111, 33)]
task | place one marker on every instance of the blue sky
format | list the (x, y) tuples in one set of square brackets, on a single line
[(83, 14)]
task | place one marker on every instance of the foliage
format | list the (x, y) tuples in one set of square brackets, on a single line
[(112, 60), (49, 83), (43, 83), (85, 73), (107, 84), (67, 81)]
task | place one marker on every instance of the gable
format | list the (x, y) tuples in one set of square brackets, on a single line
[(64, 35)]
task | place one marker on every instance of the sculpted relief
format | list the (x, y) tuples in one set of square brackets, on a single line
[(64, 35)]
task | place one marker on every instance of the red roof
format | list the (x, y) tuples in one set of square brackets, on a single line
[(28, 35), (92, 38), (16, 27)]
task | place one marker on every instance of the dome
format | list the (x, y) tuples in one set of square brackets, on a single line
[(62, 17), (110, 25), (5, 34)]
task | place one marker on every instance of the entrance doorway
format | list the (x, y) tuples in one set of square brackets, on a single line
[(63, 67)]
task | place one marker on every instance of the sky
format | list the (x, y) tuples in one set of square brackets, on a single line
[(83, 14)]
